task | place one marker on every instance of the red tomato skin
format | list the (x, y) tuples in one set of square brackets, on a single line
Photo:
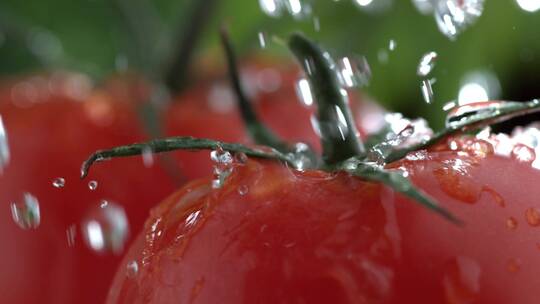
[(199, 113), (315, 237), (49, 136)]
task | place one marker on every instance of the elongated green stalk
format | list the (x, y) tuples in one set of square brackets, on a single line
[(339, 136), (257, 131)]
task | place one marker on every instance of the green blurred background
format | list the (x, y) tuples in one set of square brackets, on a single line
[(100, 37)]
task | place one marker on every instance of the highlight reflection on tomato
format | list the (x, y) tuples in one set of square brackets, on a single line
[(275, 235)]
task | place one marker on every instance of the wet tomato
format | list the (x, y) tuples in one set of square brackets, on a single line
[(271, 234), (209, 110), (52, 123)]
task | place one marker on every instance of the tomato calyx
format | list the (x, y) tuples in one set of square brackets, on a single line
[(342, 148)]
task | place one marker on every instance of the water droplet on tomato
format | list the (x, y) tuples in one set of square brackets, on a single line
[(426, 65), (132, 269), (511, 223), (92, 185), (4, 147), (461, 280), (26, 213), (453, 16), (106, 228), (223, 166), (523, 154), (529, 5), (59, 182), (532, 215), (243, 189)]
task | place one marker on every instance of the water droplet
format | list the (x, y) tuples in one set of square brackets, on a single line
[(4, 147), (392, 45), (147, 157), (427, 91), (523, 154), (453, 16), (59, 182), (92, 185), (426, 65), (449, 106), (71, 233), (276, 8), (303, 91), (262, 39), (223, 166), (106, 228), (513, 265), (301, 157), (511, 223), (529, 5), (461, 280), (353, 71), (26, 213), (243, 189), (532, 215), (132, 268), (424, 6)]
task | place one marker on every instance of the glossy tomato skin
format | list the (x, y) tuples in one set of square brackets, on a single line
[(51, 128), (209, 110), (273, 235)]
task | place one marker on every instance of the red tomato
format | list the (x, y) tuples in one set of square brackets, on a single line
[(274, 235), (209, 111), (52, 124)]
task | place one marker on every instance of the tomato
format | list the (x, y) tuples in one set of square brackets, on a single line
[(272, 234), (209, 111), (52, 123)]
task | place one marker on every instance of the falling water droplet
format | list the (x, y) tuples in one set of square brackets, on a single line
[(71, 233), (392, 45), (26, 213), (303, 91), (276, 8), (523, 154), (426, 65), (132, 268), (453, 16), (511, 223), (59, 182), (92, 185), (427, 90), (262, 39), (353, 72), (4, 147), (148, 157), (532, 215), (106, 228)]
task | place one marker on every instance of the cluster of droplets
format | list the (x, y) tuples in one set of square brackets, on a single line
[(298, 9), (425, 66), (301, 156), (452, 16), (223, 166), (26, 212), (402, 132)]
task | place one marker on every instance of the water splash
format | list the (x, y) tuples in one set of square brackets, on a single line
[(26, 213), (454, 16), (106, 228), (59, 182), (4, 147), (426, 64)]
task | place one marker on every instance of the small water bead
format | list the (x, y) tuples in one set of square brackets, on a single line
[(92, 185), (276, 8), (262, 39), (4, 147), (426, 65), (353, 71), (301, 156), (523, 154), (223, 166), (427, 91), (392, 45), (59, 182), (453, 16), (532, 215), (511, 223), (132, 269), (303, 91), (106, 228), (243, 189), (26, 213)]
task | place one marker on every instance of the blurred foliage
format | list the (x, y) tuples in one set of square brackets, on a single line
[(95, 37)]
